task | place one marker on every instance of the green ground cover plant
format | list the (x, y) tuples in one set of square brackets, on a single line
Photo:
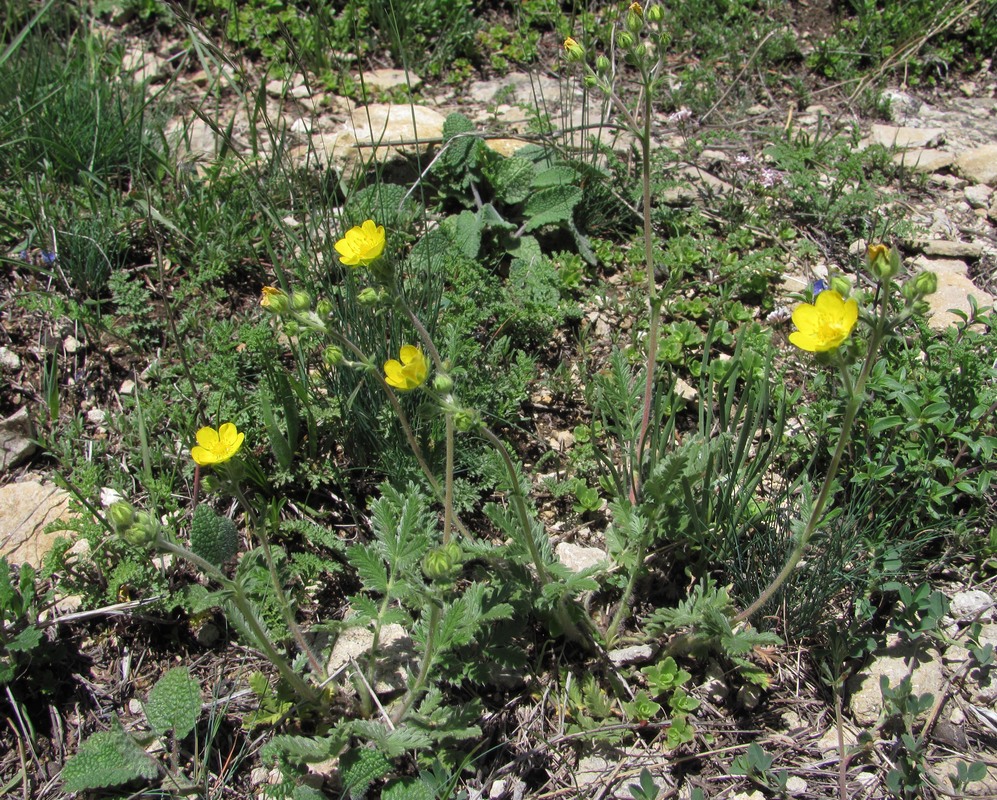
[(331, 434)]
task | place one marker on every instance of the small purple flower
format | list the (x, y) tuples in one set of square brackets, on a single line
[(743, 161), (820, 285), (680, 116), (47, 257), (771, 177)]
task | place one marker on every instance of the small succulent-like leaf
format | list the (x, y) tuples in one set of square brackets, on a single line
[(108, 758), (174, 703)]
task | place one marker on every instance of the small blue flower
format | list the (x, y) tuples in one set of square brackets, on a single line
[(47, 257), (820, 285)]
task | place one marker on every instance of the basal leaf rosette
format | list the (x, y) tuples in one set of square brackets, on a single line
[(825, 325)]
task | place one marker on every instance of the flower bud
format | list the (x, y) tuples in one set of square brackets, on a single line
[(442, 383), (301, 301), (635, 18), (467, 419), (655, 13), (292, 328), (369, 297), (274, 300), (625, 40), (144, 532), (324, 308), (439, 564), (573, 51), (841, 285), (590, 81), (884, 262), (121, 516), (602, 65), (926, 283), (332, 356)]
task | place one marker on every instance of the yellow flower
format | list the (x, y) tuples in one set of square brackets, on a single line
[(824, 325), (216, 446), (410, 372), (362, 245), (274, 300), (636, 9)]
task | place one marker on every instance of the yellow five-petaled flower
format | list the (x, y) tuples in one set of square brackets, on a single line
[(216, 446), (361, 245), (826, 324), (408, 373)]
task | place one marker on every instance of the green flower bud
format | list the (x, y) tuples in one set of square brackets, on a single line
[(301, 301), (121, 516), (275, 301), (841, 285), (438, 564), (590, 81), (635, 20), (625, 40), (369, 297), (602, 64), (442, 383), (573, 51), (926, 283), (324, 308), (655, 13), (467, 419), (884, 262), (144, 532), (332, 356), (292, 328)]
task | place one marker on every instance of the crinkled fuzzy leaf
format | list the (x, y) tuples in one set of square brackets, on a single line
[(408, 789), (174, 703), (561, 175), (108, 758), (513, 179), (551, 205), (26, 641), (305, 749), (467, 233)]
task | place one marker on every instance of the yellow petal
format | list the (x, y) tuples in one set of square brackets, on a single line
[(394, 374), (805, 316), (830, 302), (201, 456), (805, 341), (207, 438), (410, 353)]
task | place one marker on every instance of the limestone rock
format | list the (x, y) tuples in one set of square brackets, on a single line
[(635, 654), (386, 132), (925, 159), (906, 138), (978, 195), (9, 360), (17, 442), (395, 655), (953, 292), (143, 65), (506, 147), (979, 165), (578, 558), (516, 88), (26, 509), (943, 248), (897, 661), (941, 771), (902, 106), (384, 80), (966, 605)]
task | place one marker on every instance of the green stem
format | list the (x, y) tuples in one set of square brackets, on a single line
[(245, 608), (624, 608), (259, 529), (427, 661), (851, 409)]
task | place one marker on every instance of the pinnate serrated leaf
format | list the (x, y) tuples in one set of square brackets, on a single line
[(359, 768), (174, 703), (547, 206), (108, 758)]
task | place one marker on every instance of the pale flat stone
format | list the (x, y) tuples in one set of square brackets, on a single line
[(943, 248), (966, 605), (384, 80), (17, 443), (516, 88), (395, 655), (635, 654), (506, 147), (978, 195), (386, 132), (143, 66), (925, 159), (897, 661), (906, 138), (953, 293), (26, 509), (578, 558), (953, 266), (979, 165), (9, 360)]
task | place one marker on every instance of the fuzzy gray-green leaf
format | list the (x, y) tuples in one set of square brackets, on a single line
[(554, 204), (108, 758), (174, 703)]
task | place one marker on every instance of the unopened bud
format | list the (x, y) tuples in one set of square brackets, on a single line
[(301, 301), (467, 419), (442, 383), (274, 300), (121, 516), (635, 19), (655, 13), (884, 262), (292, 328), (438, 564), (602, 64), (369, 297), (841, 285), (144, 532), (324, 308), (926, 283), (590, 81), (332, 356), (573, 51), (625, 40), (210, 484)]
